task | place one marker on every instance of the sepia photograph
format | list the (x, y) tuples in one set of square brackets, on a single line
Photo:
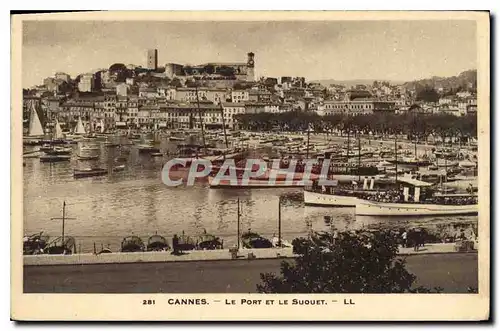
[(267, 161)]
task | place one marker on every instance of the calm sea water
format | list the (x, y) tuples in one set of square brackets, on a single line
[(135, 202)]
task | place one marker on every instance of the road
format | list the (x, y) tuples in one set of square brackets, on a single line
[(453, 272)]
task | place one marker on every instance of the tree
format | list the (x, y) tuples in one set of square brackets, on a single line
[(209, 69), (188, 70), (226, 71), (351, 263), (117, 67), (175, 82), (427, 94)]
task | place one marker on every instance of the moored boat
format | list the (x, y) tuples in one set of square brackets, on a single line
[(89, 172), (421, 201), (132, 244), (147, 148), (119, 168), (35, 130), (157, 243), (54, 158), (254, 240), (374, 208), (342, 195), (56, 150), (88, 157), (254, 183), (35, 244), (209, 242)]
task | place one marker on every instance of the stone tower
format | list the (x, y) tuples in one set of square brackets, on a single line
[(152, 59), (250, 67)]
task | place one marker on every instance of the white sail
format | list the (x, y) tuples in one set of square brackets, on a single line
[(102, 126), (79, 127), (35, 128), (58, 134)]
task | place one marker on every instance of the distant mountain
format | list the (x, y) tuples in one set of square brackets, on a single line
[(354, 82), (466, 80)]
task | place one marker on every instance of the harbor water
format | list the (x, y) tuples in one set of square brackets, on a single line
[(101, 211)]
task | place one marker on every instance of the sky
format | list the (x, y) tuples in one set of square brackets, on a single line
[(342, 50)]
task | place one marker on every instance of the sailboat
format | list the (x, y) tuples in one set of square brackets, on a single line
[(79, 130), (35, 129), (102, 129), (91, 134)]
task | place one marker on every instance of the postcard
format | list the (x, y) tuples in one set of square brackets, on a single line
[(299, 165)]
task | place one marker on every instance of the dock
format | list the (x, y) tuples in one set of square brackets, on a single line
[(198, 255)]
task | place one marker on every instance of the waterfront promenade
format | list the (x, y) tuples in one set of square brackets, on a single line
[(452, 272), (196, 255)]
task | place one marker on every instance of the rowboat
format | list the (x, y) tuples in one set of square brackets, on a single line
[(88, 157), (54, 158), (146, 148), (119, 168), (89, 172)]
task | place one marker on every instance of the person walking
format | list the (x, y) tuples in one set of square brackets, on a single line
[(404, 236), (175, 245), (416, 240)]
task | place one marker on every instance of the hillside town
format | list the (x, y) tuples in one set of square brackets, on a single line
[(176, 96), (234, 151)]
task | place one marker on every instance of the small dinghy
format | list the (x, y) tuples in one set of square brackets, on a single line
[(35, 244), (254, 240), (58, 247), (132, 244), (54, 158), (121, 158), (209, 242), (88, 157), (185, 243), (119, 168), (57, 150), (157, 243), (89, 172)]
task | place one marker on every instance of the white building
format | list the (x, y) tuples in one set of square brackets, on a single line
[(170, 94), (272, 108), (86, 83), (445, 101), (464, 94), (62, 76), (239, 96), (230, 110), (122, 89)]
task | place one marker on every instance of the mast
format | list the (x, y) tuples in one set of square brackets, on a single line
[(445, 164), (201, 120), (415, 147), (238, 228), (64, 218), (306, 107), (348, 142), (223, 124), (63, 215), (279, 221), (396, 154), (308, 135), (415, 133), (359, 157)]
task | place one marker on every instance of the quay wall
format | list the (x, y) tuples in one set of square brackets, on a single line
[(191, 256)]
